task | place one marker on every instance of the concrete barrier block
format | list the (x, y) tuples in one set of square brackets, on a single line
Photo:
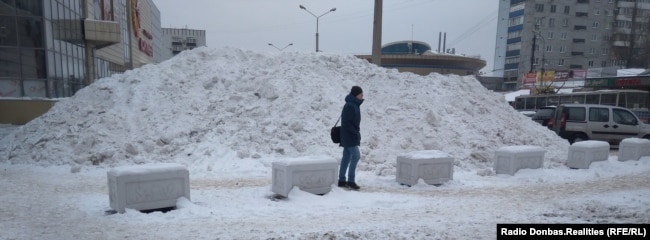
[(146, 187), (510, 159), (633, 149), (433, 166), (582, 154), (313, 174)]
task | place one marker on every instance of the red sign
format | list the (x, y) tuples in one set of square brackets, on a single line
[(530, 78), (578, 73), (145, 47), (627, 82)]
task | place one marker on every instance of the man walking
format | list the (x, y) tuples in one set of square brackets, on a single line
[(350, 137)]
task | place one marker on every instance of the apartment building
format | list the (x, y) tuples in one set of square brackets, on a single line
[(175, 40), (538, 40)]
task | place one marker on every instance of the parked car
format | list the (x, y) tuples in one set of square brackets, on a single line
[(527, 113), (545, 116), (581, 122)]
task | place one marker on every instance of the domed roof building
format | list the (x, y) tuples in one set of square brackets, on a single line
[(417, 57)]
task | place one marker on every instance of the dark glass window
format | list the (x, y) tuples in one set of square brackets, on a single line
[(70, 62), (520, 103), (30, 7), (75, 5), (599, 115), (8, 31), (553, 101), (33, 63), (39, 47), (30, 31), (51, 73), (622, 100), (541, 102), (530, 103), (575, 114), (9, 62), (593, 99), (7, 7), (58, 65), (565, 99), (624, 117), (578, 99), (608, 99)]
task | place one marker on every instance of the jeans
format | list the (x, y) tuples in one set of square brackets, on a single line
[(350, 158)]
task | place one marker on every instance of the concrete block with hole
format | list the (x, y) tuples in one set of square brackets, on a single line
[(314, 174), (582, 154), (509, 159), (633, 149), (433, 166), (147, 187)]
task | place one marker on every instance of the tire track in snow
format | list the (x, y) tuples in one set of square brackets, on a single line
[(530, 191)]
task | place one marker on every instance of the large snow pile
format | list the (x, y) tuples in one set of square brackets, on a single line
[(207, 105)]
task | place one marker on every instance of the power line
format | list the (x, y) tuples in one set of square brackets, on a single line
[(474, 29)]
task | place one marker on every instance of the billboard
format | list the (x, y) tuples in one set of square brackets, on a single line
[(530, 79), (546, 76)]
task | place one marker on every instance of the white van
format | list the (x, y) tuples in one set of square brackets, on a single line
[(581, 122)]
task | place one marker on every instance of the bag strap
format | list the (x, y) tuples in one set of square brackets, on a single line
[(337, 121)]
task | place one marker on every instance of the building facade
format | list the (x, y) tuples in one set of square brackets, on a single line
[(53, 48), (631, 31), (175, 40), (562, 38), (417, 57)]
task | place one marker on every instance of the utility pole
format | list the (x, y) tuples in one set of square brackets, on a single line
[(532, 55), (376, 33)]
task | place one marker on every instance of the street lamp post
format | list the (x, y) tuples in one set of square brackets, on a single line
[(317, 17), (280, 49)]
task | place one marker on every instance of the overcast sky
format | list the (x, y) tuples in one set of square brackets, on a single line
[(253, 24)]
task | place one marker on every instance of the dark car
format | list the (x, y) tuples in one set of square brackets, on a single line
[(545, 116)]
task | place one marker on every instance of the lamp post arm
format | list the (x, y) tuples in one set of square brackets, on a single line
[(324, 13), (317, 19), (290, 44), (304, 8)]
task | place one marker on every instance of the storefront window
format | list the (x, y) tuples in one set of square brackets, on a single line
[(41, 47), (9, 88), (30, 7), (33, 63), (7, 7), (35, 88), (30, 31), (8, 31), (10, 66), (76, 6), (51, 73)]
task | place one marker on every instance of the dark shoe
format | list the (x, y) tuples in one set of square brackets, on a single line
[(353, 186), (343, 184)]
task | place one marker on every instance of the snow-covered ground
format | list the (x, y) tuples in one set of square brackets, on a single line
[(227, 114)]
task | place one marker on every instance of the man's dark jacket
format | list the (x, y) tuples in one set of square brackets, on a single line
[(350, 120)]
